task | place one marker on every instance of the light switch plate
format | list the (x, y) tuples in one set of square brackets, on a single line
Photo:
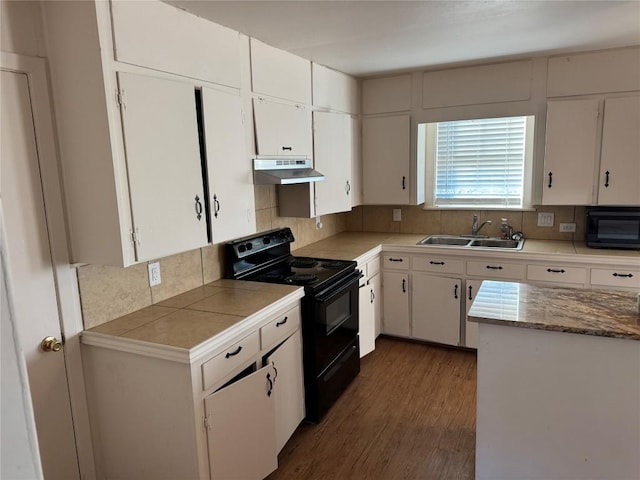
[(397, 214), (154, 274), (545, 219)]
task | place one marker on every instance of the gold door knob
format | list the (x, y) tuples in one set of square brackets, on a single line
[(51, 344)]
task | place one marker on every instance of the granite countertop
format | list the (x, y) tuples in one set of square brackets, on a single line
[(604, 313), (193, 317)]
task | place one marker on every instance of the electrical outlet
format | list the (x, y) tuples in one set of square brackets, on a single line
[(154, 274), (567, 227), (545, 219), (397, 214)]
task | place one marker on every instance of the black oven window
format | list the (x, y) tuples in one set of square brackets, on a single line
[(338, 311), (618, 229)]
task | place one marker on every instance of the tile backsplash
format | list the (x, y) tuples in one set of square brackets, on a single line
[(107, 293)]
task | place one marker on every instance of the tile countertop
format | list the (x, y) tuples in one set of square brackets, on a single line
[(604, 313), (191, 318), (351, 245)]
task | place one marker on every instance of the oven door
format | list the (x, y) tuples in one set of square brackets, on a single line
[(332, 321)]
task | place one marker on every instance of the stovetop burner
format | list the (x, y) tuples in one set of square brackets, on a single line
[(333, 264), (302, 279), (302, 262)]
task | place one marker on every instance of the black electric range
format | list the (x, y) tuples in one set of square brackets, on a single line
[(329, 309)]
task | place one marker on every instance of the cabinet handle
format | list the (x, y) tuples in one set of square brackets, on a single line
[(436, 263), (373, 296), (216, 206), (623, 275), (275, 370), (404, 285), (553, 270), (404, 183), (234, 353), (284, 320), (470, 289), (606, 179), (270, 385), (286, 149), (347, 187), (550, 179), (455, 292), (491, 267), (395, 260), (198, 208)]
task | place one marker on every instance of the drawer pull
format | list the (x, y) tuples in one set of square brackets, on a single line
[(623, 275), (436, 263), (553, 270), (234, 353), (470, 290), (284, 320), (491, 267), (395, 259), (269, 385), (455, 292)]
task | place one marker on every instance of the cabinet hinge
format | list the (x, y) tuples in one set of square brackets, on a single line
[(135, 236), (206, 422), (120, 98)]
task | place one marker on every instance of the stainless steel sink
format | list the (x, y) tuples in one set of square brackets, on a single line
[(467, 242)]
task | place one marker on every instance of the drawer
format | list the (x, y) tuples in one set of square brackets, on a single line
[(556, 274), (437, 264), (395, 262), (232, 359), (495, 269), (615, 277), (280, 328), (373, 267)]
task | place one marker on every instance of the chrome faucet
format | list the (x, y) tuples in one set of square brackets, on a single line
[(474, 226)]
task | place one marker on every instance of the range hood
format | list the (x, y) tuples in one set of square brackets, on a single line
[(284, 171)]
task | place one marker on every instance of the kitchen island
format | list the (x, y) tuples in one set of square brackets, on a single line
[(558, 382)]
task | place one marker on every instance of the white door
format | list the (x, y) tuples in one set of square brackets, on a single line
[(332, 157), (570, 152), (395, 306), (375, 283), (228, 168), (34, 290), (436, 308), (385, 160), (366, 334), (163, 161), (620, 160), (471, 328)]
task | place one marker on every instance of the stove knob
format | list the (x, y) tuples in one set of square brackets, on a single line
[(241, 248), (267, 240), (249, 246)]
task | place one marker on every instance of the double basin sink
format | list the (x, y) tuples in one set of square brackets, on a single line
[(472, 242)]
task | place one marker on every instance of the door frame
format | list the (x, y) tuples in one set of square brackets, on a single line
[(65, 276)]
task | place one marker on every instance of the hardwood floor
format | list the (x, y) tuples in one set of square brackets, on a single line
[(410, 414)]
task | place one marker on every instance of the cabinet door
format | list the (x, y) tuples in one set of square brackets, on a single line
[(620, 159), (396, 303), (436, 308), (376, 297), (241, 428), (367, 333), (332, 157), (471, 328), (288, 388), (164, 166), (228, 167), (356, 164), (282, 129), (570, 152), (386, 160)]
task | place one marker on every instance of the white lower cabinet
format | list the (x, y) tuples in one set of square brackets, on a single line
[(241, 428), (395, 305), (369, 313), (470, 328), (436, 308)]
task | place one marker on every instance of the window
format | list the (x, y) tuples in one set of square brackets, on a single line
[(480, 163)]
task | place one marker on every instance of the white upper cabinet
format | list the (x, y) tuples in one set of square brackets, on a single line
[(386, 95), (332, 155), (570, 152), (620, 159), (356, 163), (282, 129), (162, 37), (280, 74), (386, 160), (334, 90), (164, 166), (230, 179)]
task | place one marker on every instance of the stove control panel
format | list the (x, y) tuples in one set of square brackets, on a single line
[(246, 246)]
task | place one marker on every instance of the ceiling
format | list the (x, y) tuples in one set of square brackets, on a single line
[(370, 37)]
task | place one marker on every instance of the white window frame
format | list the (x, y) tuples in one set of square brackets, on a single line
[(427, 144)]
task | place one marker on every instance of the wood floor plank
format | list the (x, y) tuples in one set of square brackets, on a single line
[(410, 414)]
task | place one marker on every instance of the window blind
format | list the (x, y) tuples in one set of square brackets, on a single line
[(480, 162)]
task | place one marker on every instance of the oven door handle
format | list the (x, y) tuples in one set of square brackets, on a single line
[(334, 290)]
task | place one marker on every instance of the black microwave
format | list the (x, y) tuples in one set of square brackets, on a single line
[(614, 227)]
